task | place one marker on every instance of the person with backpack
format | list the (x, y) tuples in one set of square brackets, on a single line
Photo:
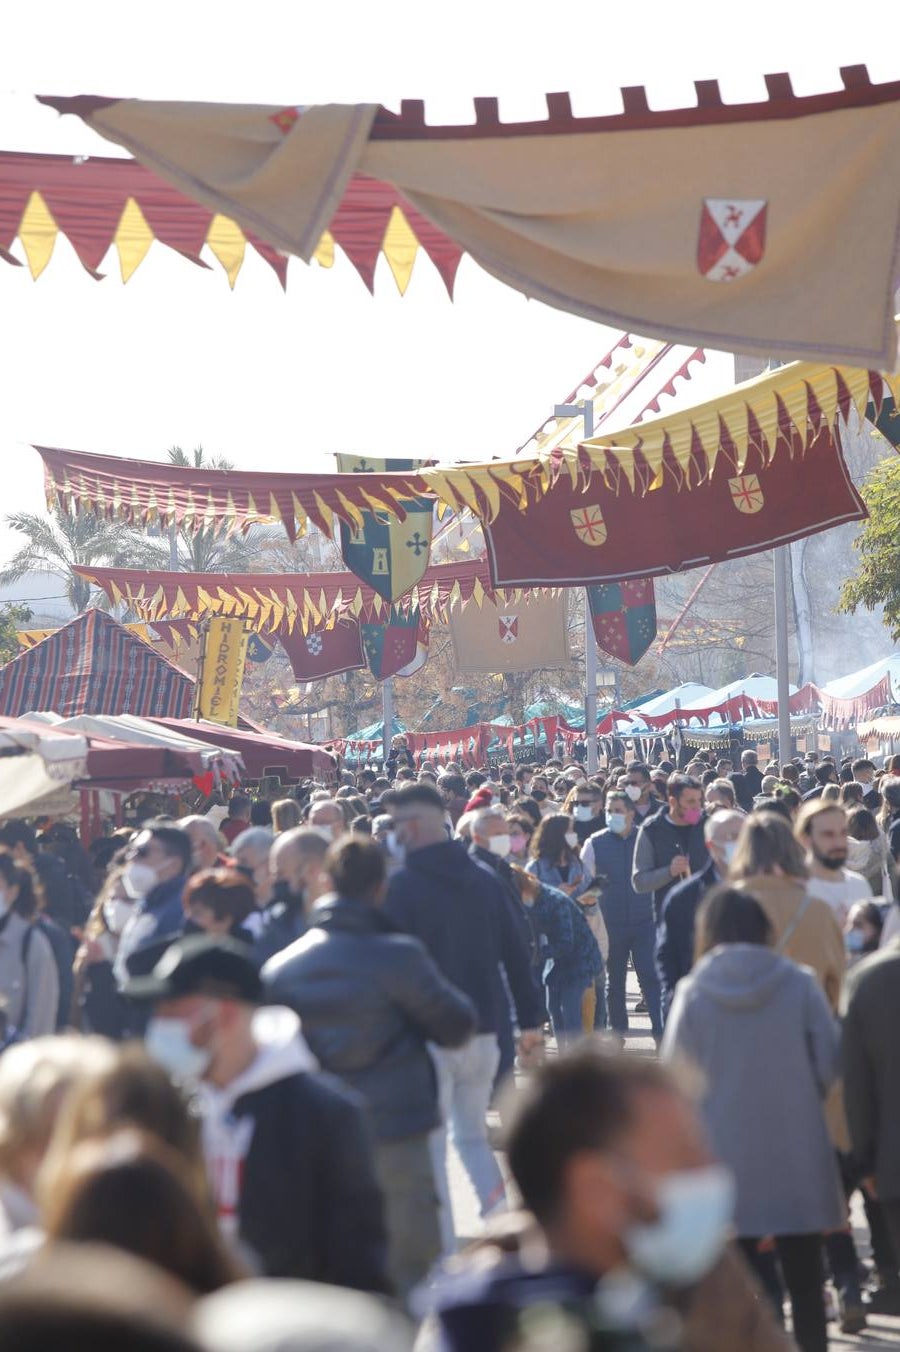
[(29, 978)]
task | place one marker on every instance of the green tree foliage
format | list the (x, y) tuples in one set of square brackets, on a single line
[(877, 581), (11, 618)]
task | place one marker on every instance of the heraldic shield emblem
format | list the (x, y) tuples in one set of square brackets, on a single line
[(746, 494), (509, 628), (732, 238), (589, 525)]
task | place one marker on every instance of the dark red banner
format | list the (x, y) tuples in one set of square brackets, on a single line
[(324, 652), (593, 535)]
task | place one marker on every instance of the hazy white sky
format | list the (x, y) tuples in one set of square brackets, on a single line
[(276, 380)]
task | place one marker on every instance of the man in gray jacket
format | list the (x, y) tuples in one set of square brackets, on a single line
[(670, 845), (370, 999)]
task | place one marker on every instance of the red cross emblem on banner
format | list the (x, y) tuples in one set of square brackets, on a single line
[(509, 628), (284, 119), (746, 494), (589, 525), (732, 237)]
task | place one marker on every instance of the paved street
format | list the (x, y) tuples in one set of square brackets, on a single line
[(881, 1333)]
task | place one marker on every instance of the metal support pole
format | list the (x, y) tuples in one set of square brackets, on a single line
[(590, 688), (782, 670), (387, 715)]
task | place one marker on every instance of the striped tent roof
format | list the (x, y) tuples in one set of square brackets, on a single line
[(94, 665)]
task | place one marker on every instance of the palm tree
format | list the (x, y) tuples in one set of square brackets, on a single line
[(58, 543), (209, 550)]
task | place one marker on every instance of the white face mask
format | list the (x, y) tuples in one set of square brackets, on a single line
[(168, 1041), (572, 839), (695, 1207), (138, 879), (729, 850), (499, 845), (633, 792), (117, 912), (582, 812)]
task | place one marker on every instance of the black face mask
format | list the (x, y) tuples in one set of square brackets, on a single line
[(191, 927), (538, 795), (282, 893)]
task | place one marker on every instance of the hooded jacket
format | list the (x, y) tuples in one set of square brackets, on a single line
[(462, 914), (370, 998), (290, 1161), (755, 1023)]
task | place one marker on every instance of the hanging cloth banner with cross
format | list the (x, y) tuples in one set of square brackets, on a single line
[(388, 554)]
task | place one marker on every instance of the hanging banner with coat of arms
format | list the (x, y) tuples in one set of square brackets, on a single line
[(388, 554), (525, 634), (624, 618), (324, 652), (607, 530), (391, 647)]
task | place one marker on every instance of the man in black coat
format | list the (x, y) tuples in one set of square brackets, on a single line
[(462, 914), (675, 933), (370, 999), (288, 1151), (871, 1074), (748, 782)]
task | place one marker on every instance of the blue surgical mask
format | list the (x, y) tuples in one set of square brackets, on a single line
[(695, 1211), (855, 941), (582, 812), (618, 822)]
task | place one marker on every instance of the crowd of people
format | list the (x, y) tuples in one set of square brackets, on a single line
[(238, 1050)]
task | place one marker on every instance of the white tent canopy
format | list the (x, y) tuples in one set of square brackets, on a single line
[(129, 728), (37, 768), (861, 682), (679, 697)]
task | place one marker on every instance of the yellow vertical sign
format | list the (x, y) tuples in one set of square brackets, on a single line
[(222, 655)]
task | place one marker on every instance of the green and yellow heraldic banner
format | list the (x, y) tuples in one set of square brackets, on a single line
[(389, 555)]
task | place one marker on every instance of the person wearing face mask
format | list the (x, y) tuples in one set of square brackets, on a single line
[(97, 1006), (540, 794), (755, 1023), (370, 999), (288, 1151), (521, 829), (584, 804), (675, 933), (157, 863), (625, 1239), (670, 846), (555, 855), (821, 829), (862, 930), (462, 912), (295, 865), (608, 860), (250, 852), (638, 785), (488, 832)]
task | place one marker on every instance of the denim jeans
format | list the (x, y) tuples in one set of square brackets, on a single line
[(637, 940), (465, 1080), (564, 997)]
